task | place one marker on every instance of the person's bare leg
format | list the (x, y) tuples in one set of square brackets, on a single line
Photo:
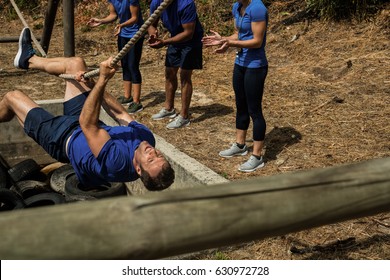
[(240, 136), (63, 65), (15, 103), (137, 93), (186, 92), (127, 87), (257, 148), (170, 87)]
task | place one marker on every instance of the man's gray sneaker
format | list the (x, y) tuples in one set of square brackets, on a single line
[(234, 150), (25, 51), (135, 108), (124, 100), (164, 113), (252, 164), (178, 122)]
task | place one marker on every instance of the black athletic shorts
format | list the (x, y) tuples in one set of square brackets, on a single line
[(187, 57)]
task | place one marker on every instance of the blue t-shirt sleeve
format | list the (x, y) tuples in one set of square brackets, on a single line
[(234, 9), (134, 3), (258, 13), (188, 14), (143, 132), (153, 6), (235, 12)]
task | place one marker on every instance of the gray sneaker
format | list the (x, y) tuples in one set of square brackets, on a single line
[(164, 113), (135, 108), (178, 122), (252, 164), (234, 150)]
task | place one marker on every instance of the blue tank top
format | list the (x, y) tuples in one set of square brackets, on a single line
[(255, 12), (122, 8)]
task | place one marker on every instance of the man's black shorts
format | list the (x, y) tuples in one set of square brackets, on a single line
[(184, 57)]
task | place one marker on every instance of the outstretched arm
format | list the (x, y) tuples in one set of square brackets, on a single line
[(116, 110), (89, 116), (93, 22), (134, 11), (258, 29)]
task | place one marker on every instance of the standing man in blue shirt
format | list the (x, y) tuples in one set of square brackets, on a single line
[(98, 153), (184, 52), (130, 20)]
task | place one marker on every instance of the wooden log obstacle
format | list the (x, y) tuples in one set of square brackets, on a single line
[(170, 223)]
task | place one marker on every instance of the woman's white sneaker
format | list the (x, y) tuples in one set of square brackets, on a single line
[(234, 150), (252, 164)]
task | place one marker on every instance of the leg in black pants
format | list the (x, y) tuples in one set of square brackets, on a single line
[(248, 84)]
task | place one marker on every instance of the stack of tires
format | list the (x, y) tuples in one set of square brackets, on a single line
[(27, 185)]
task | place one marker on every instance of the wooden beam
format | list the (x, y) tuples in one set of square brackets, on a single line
[(50, 16), (69, 34), (12, 39), (169, 223)]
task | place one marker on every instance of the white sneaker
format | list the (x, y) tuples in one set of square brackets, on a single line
[(252, 164), (164, 113), (178, 122), (234, 150)]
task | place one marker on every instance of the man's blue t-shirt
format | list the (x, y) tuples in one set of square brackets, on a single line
[(177, 13), (255, 12), (122, 9), (115, 160)]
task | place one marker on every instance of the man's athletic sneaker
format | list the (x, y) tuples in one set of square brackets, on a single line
[(178, 122), (234, 150), (164, 113), (252, 164), (25, 51)]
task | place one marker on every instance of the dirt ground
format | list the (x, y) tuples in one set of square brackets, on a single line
[(326, 103)]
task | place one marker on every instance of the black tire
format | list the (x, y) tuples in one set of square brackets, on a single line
[(59, 176), (24, 170), (3, 178), (74, 187), (10, 201), (44, 199), (29, 188), (4, 163), (74, 198)]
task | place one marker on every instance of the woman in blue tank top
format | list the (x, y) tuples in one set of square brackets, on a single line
[(250, 71), (130, 20)]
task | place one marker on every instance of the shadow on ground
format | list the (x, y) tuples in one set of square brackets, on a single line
[(278, 139), (210, 111), (344, 248), (202, 113)]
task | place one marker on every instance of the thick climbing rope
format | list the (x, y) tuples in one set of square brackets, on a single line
[(143, 29), (39, 47)]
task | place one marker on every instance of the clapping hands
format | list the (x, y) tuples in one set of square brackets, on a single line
[(216, 40)]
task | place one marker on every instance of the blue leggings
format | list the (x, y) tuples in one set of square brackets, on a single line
[(248, 85), (131, 60)]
